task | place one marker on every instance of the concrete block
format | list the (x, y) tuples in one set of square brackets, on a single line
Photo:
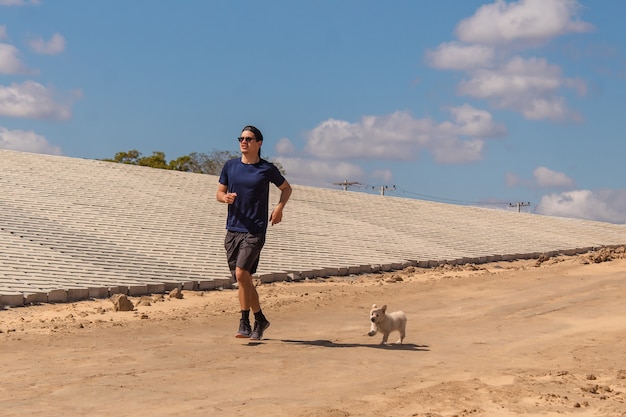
[(98, 292), (120, 289), (265, 278), (76, 294), (206, 285), (321, 272), (169, 286), (57, 296), (281, 276), (35, 298), (330, 272), (293, 276), (190, 285), (355, 269), (156, 288), (311, 273), (273, 277), (12, 300), (343, 271), (137, 290), (222, 282)]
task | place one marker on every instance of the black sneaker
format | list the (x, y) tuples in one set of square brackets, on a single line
[(259, 328), (244, 329)]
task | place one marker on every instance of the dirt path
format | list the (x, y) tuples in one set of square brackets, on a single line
[(502, 339)]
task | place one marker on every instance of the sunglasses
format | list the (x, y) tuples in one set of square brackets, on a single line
[(248, 139)]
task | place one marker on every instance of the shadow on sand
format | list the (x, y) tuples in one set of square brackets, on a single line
[(329, 344)]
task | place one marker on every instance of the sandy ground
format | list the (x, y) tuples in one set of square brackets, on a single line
[(525, 338)]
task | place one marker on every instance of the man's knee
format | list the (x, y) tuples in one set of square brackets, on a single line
[(242, 275)]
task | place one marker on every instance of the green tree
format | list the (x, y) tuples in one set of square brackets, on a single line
[(182, 163), (129, 157), (157, 160), (197, 162)]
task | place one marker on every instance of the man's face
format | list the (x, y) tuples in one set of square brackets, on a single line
[(248, 143)]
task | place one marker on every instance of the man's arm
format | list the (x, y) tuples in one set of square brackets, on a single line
[(223, 196), (285, 193)]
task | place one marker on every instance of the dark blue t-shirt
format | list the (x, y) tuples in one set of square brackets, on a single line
[(251, 182)]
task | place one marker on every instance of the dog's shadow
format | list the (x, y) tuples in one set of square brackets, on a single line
[(328, 344)]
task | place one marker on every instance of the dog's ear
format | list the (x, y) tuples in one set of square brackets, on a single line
[(374, 306), (384, 308)]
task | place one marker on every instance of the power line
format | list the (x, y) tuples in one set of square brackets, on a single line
[(346, 184), (519, 205), (384, 188), (452, 201), (537, 209)]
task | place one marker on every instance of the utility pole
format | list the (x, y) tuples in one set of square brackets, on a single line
[(385, 187), (519, 205), (346, 184)]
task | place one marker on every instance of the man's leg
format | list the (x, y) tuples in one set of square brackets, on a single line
[(247, 261), (248, 296), (249, 300)]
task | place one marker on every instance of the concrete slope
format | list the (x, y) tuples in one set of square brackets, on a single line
[(74, 229)]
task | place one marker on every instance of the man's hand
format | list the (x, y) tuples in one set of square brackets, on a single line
[(277, 215), (229, 198)]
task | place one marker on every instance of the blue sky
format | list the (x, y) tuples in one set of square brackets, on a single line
[(471, 102)]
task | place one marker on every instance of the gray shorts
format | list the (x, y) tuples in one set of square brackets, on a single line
[(243, 250)]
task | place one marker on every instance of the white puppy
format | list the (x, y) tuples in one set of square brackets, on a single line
[(387, 323)]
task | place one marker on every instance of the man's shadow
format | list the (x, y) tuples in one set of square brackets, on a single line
[(329, 344)]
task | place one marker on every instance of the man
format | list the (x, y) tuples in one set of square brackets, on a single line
[(244, 186)]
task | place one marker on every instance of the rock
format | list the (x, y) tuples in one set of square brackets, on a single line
[(144, 301), (176, 293), (543, 258), (121, 303)]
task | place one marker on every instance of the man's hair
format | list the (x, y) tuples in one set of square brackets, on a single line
[(257, 134)]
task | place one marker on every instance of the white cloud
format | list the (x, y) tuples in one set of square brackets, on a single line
[(315, 172), (450, 150), (528, 86), (547, 178), (384, 175), (534, 21), (542, 178), (487, 42), (469, 121), (26, 141), (285, 147), (603, 205), (456, 56), (401, 137), (10, 62), (32, 100), (54, 46), (389, 137), (512, 180), (19, 2)]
